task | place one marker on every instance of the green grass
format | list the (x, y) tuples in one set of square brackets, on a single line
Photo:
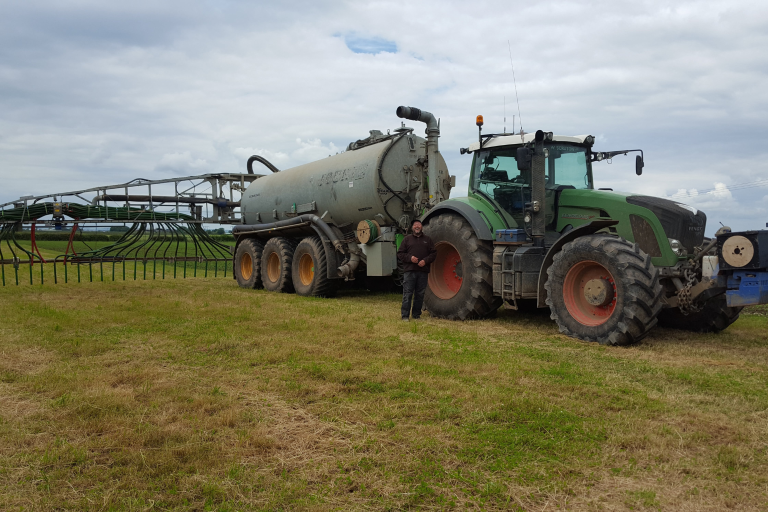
[(197, 395)]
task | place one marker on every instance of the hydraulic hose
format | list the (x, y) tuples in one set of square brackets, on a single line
[(381, 178)]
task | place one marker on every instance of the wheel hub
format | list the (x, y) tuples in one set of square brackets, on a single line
[(458, 271), (598, 292), (246, 266), (589, 293)]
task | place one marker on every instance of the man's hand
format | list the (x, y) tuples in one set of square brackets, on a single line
[(414, 259), (421, 263)]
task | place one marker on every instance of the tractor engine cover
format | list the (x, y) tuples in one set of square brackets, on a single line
[(679, 221)]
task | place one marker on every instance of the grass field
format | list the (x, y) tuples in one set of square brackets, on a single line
[(197, 395)]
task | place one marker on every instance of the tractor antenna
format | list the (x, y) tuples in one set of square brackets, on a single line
[(505, 114), (509, 45)]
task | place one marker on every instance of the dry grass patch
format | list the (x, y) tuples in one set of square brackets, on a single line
[(197, 395)]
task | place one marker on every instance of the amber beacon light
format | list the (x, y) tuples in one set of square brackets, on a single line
[(479, 121)]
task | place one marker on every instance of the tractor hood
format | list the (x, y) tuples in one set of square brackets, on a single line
[(680, 221)]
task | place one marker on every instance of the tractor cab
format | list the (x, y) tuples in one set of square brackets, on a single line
[(498, 177)]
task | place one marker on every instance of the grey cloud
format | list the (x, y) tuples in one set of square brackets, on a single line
[(97, 92)]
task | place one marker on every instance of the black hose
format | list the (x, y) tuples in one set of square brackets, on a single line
[(287, 223), (381, 178), (257, 158)]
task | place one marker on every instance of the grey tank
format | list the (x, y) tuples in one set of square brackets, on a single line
[(347, 186)]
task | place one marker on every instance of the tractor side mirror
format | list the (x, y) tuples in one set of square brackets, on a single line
[(524, 158), (639, 165)]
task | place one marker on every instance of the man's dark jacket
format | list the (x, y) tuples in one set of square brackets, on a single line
[(420, 246)]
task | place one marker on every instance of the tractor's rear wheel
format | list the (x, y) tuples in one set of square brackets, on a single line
[(605, 289), (714, 316), (460, 284), (276, 264), (310, 269), (248, 263)]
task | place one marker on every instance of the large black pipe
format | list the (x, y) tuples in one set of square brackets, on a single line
[(257, 158), (287, 223), (415, 114)]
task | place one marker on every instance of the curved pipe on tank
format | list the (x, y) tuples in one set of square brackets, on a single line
[(433, 132), (261, 159), (287, 223), (348, 266), (415, 114)]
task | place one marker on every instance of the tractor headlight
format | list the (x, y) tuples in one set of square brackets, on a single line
[(677, 247)]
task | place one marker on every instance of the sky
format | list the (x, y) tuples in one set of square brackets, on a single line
[(96, 92)]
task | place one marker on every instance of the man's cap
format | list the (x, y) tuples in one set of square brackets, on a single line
[(414, 221)]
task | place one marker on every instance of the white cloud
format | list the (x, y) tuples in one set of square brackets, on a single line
[(182, 163)]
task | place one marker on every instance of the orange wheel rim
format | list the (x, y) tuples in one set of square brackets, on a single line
[(246, 266), (306, 269), (589, 293), (273, 267), (447, 273)]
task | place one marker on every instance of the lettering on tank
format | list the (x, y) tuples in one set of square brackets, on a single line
[(340, 175)]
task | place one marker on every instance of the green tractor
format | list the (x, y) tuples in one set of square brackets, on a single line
[(609, 265)]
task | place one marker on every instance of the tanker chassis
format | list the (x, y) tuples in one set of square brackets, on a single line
[(532, 230)]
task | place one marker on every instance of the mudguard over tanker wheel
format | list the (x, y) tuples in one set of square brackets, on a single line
[(276, 264), (248, 263), (714, 316), (603, 288), (461, 277), (310, 269)]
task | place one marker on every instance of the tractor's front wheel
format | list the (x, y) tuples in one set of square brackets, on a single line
[(248, 263), (460, 284), (714, 316), (605, 289)]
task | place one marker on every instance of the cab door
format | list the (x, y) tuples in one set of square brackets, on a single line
[(497, 177)]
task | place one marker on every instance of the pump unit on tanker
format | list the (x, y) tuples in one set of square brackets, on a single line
[(308, 227), (532, 228)]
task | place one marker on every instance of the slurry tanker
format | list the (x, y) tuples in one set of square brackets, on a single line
[(531, 230)]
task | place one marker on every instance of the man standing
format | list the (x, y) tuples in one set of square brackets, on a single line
[(416, 252)]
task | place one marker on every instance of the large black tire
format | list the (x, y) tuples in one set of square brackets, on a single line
[(461, 278), (713, 317), (248, 263), (632, 290), (276, 264), (310, 269)]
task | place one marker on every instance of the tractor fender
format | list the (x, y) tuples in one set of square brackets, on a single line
[(586, 229), (474, 217)]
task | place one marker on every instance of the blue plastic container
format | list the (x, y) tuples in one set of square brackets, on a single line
[(511, 235)]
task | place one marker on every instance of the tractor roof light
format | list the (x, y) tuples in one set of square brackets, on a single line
[(589, 140), (479, 121)]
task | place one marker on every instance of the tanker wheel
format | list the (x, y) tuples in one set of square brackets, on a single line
[(310, 269), (276, 263), (248, 263), (714, 316), (460, 283), (603, 288)]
